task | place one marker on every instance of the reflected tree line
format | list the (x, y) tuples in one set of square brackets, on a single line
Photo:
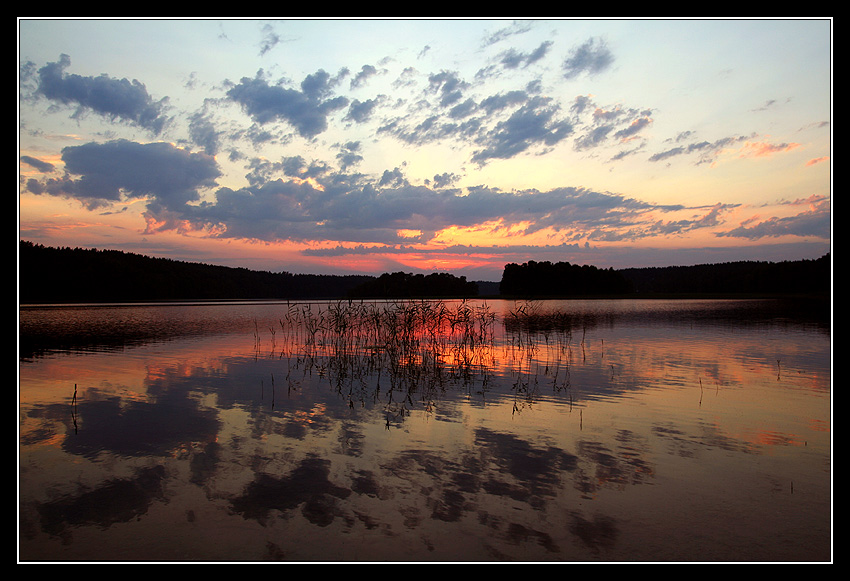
[(57, 275)]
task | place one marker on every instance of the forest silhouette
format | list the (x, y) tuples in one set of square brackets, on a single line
[(77, 275)]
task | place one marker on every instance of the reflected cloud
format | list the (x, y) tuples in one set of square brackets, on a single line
[(531, 439), (115, 501)]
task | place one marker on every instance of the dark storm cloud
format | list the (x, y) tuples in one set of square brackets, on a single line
[(117, 99), (123, 170), (306, 110)]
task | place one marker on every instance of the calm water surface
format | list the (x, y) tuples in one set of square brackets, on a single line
[(454, 431)]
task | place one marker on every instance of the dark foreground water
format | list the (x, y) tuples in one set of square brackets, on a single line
[(645, 431)]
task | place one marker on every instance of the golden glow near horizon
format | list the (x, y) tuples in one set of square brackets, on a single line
[(461, 145)]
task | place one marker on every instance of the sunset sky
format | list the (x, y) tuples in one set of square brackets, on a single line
[(367, 146)]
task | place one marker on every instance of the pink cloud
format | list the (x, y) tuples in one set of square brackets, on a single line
[(763, 149)]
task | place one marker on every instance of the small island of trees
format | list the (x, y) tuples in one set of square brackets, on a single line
[(540, 279), (408, 285)]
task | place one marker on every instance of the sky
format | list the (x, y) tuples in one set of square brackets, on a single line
[(363, 146)]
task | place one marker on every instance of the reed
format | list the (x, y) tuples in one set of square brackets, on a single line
[(420, 344), (404, 352)]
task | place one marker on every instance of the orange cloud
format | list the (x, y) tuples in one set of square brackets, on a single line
[(763, 149), (817, 160)]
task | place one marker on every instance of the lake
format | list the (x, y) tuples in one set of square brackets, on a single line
[(425, 431)]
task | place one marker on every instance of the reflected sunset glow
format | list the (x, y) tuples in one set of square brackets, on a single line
[(426, 430)]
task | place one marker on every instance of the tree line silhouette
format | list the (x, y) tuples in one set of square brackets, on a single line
[(754, 277), (561, 278), (406, 285), (49, 275), (540, 279), (62, 275)]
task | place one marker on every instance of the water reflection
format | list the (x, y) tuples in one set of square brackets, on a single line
[(450, 431)]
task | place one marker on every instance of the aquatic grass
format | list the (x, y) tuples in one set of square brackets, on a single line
[(422, 344), (404, 351)]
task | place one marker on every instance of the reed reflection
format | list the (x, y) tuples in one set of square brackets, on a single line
[(447, 430)]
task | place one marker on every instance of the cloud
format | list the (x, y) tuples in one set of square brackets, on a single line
[(445, 180), (313, 201), (534, 123), (461, 249), (623, 123), (706, 150), (116, 99), (361, 111), (351, 209), (306, 110), (269, 40), (121, 170), (38, 164), (366, 72), (501, 101), (449, 85), (203, 132), (763, 149), (513, 59), (496, 126), (634, 128), (517, 105), (349, 155), (814, 222), (591, 58), (515, 28)]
